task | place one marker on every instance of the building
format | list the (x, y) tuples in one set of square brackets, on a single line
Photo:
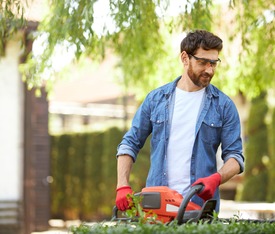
[(24, 150)]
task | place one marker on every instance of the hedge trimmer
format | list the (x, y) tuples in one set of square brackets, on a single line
[(164, 204)]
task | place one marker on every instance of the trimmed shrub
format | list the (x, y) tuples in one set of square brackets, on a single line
[(83, 167), (256, 174)]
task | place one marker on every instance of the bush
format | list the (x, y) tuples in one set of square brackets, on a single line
[(216, 226), (83, 167)]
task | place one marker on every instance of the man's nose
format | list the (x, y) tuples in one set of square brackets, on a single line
[(210, 69)]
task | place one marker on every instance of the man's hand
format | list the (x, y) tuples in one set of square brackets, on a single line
[(210, 185), (122, 202)]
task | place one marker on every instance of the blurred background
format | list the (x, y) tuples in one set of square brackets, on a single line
[(72, 74)]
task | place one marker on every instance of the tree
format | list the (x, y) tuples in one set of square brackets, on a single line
[(256, 24)]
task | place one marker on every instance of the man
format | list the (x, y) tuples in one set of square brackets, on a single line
[(188, 119)]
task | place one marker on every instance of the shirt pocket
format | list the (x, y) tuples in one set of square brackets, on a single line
[(158, 123), (211, 130)]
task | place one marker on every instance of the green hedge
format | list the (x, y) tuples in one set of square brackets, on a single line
[(256, 150), (83, 167), (271, 162), (202, 227)]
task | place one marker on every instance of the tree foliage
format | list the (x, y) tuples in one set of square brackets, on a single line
[(256, 24), (137, 32), (11, 20)]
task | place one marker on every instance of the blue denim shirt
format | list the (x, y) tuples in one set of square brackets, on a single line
[(218, 124)]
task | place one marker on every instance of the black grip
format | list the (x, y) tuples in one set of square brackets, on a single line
[(115, 213), (193, 190)]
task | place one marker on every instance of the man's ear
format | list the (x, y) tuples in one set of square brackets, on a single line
[(184, 58)]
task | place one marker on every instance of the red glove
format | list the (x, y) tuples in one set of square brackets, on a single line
[(210, 185), (122, 202)]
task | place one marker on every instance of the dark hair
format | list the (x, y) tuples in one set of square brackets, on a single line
[(200, 39)]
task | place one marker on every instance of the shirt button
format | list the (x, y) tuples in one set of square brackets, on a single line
[(212, 124), (164, 173)]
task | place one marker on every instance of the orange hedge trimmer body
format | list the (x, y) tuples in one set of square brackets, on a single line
[(163, 202)]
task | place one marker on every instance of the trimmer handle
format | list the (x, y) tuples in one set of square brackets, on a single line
[(193, 190), (115, 215)]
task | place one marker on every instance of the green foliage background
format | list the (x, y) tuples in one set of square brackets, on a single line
[(83, 167), (256, 146), (11, 19), (271, 163), (138, 33)]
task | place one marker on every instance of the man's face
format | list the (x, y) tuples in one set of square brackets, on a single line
[(200, 70)]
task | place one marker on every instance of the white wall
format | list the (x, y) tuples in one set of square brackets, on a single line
[(11, 124)]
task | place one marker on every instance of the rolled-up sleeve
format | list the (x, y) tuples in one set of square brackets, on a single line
[(238, 158), (125, 149), (141, 128)]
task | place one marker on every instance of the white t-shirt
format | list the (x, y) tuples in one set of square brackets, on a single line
[(182, 137)]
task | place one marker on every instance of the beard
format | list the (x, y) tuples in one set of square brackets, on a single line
[(200, 79)]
